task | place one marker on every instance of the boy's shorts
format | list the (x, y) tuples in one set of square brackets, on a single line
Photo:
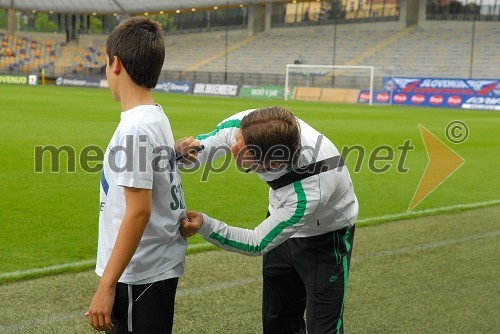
[(144, 308)]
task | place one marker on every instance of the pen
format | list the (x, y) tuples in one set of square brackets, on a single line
[(197, 149)]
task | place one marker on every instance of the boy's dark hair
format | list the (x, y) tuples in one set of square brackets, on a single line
[(272, 134), (140, 45)]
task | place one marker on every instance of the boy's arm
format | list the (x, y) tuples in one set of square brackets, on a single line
[(137, 213)]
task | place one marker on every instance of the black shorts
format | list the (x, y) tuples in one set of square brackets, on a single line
[(144, 308), (307, 275)]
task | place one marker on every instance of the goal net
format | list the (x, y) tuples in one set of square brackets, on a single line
[(329, 83)]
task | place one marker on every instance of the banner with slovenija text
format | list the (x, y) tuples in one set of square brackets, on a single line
[(444, 92)]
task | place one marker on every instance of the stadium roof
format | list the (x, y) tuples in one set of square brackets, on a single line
[(119, 6)]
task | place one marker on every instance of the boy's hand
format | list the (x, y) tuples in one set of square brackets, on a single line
[(192, 224), (99, 313), (186, 148)]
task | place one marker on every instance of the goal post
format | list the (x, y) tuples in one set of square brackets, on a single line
[(330, 76)]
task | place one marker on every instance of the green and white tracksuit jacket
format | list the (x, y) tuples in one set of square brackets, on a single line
[(315, 205)]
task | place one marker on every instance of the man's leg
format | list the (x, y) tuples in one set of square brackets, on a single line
[(284, 297), (323, 263)]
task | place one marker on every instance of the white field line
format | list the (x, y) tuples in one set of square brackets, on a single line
[(68, 316), (422, 247), (46, 270), (405, 215), (25, 325), (71, 265), (189, 292), (200, 290), (421, 213)]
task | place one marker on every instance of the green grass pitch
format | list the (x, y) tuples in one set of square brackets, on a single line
[(51, 218), (433, 274)]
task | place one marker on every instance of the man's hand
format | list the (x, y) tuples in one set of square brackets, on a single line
[(186, 148), (192, 224)]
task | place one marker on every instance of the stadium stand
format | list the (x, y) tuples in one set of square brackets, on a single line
[(189, 51), (391, 48), (24, 53), (387, 46), (271, 50), (442, 50), (184, 52), (89, 60)]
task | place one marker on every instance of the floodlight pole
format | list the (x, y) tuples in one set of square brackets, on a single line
[(372, 75), (227, 40), (334, 44), (472, 46), (334, 40), (286, 82)]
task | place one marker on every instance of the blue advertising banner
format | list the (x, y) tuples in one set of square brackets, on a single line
[(75, 82), (442, 92), (180, 87)]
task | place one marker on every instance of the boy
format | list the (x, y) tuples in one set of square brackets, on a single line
[(140, 253)]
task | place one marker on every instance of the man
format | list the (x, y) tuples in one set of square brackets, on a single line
[(308, 235), (140, 253)]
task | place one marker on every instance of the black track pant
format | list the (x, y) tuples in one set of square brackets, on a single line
[(307, 274), (144, 308)]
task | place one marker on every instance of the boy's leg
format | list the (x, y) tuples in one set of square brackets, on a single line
[(284, 297), (323, 263), (152, 309)]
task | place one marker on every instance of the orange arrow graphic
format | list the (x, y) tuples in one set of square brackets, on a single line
[(443, 162)]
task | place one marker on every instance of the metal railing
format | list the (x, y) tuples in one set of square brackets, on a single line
[(212, 77)]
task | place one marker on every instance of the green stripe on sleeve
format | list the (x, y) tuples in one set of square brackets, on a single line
[(234, 123), (297, 216)]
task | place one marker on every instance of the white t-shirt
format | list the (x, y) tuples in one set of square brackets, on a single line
[(141, 155)]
